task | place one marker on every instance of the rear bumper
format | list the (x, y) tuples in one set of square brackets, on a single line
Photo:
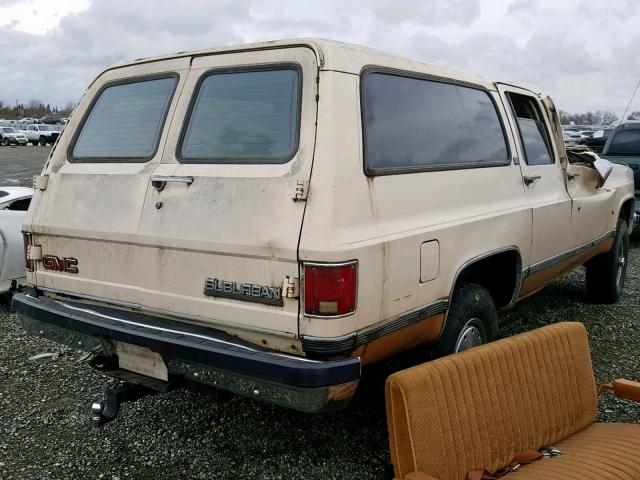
[(197, 354)]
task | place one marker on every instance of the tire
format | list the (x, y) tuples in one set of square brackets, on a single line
[(606, 272), (42, 142), (6, 141), (472, 321), (34, 143)]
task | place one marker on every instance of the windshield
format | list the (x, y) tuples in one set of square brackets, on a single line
[(9, 130), (625, 142), (46, 128)]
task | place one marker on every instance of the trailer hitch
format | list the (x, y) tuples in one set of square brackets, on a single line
[(102, 412), (126, 387)]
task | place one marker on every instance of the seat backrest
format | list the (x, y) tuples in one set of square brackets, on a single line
[(481, 407)]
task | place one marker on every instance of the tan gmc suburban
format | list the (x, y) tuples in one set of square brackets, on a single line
[(266, 219)]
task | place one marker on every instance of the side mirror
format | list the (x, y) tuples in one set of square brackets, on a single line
[(604, 168)]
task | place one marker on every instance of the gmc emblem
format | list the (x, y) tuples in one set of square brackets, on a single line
[(66, 264)]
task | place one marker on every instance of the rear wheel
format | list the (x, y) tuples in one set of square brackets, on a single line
[(43, 142), (606, 272), (472, 321), (6, 141)]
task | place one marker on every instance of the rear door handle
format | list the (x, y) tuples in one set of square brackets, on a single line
[(160, 181), (529, 179)]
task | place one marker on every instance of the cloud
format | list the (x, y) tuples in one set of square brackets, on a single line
[(583, 53), (430, 12)]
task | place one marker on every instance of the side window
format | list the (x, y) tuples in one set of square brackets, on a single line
[(414, 124), (533, 132), (21, 205), (125, 122), (625, 142)]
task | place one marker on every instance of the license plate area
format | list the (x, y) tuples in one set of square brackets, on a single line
[(141, 360)]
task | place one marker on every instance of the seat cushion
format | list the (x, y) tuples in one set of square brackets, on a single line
[(479, 408), (602, 451)]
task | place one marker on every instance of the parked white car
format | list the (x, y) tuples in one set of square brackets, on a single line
[(11, 136), (14, 202)]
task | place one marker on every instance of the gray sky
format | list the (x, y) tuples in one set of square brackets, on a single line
[(584, 53)]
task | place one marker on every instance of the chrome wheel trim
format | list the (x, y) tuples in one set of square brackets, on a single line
[(471, 335)]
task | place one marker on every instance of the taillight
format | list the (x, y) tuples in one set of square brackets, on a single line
[(330, 289), (26, 238)]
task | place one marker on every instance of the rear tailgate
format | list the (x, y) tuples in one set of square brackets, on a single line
[(237, 225), (207, 237)]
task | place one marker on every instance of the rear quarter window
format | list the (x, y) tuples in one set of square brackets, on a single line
[(244, 116), (414, 124), (125, 121)]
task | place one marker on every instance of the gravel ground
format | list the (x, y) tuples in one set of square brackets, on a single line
[(18, 165), (44, 403)]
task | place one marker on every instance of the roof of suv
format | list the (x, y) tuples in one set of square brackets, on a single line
[(332, 55)]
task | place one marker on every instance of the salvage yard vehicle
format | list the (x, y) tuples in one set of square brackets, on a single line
[(285, 213), (14, 202), (598, 139), (623, 146), (41, 135), (10, 136)]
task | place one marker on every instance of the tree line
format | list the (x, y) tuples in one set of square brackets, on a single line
[(599, 117), (35, 109)]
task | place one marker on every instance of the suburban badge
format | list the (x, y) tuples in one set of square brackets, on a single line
[(247, 292)]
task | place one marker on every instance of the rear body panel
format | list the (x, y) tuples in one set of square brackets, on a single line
[(155, 250)]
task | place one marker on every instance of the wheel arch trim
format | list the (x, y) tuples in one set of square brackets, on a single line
[(484, 256)]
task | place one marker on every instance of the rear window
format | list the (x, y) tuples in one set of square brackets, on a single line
[(125, 122), (246, 116), (415, 124), (625, 142)]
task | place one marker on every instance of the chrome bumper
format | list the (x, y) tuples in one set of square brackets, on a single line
[(196, 354)]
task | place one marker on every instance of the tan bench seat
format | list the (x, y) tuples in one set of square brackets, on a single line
[(481, 408)]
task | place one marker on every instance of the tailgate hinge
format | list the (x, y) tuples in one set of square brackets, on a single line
[(40, 182), (302, 191), (291, 287)]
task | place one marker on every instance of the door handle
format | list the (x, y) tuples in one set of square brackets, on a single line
[(160, 181), (572, 176), (529, 179)]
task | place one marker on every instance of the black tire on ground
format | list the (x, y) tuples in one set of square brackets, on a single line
[(472, 320), (607, 271), (43, 142), (34, 143), (6, 141)]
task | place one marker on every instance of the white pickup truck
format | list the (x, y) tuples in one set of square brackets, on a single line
[(40, 134)]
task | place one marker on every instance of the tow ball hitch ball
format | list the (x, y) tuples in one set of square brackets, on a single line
[(102, 412), (96, 412)]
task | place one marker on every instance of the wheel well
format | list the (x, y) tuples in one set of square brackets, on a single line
[(498, 273), (626, 211)]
